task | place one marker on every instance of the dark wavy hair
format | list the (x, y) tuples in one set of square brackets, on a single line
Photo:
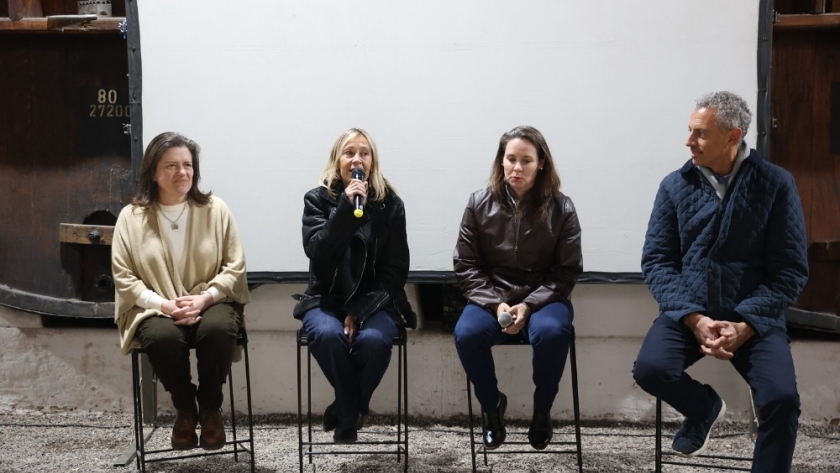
[(147, 189), (546, 183)]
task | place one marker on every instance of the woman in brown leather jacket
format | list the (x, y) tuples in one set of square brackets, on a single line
[(518, 253)]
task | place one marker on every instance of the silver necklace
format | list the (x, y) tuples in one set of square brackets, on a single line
[(173, 223)]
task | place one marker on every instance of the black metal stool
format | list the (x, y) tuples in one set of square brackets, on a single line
[(397, 446), (691, 462), (565, 451), (240, 445)]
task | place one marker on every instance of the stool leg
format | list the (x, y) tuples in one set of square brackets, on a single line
[(399, 402), (753, 418), (140, 407), (309, 400), (139, 453), (405, 400), (576, 400), (250, 412), (483, 447), (300, 408), (658, 435), (472, 424), (404, 373), (233, 416)]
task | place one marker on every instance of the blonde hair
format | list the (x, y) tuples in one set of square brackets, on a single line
[(332, 172)]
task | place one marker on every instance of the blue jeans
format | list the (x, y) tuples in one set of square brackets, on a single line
[(548, 330), (354, 371), (764, 362)]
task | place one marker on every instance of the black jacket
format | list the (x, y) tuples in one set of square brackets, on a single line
[(504, 255), (356, 265)]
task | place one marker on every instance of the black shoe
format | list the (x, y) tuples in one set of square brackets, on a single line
[(540, 431), (330, 418), (361, 422), (493, 433), (345, 435), (693, 437)]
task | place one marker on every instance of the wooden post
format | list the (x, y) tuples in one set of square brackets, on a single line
[(819, 6)]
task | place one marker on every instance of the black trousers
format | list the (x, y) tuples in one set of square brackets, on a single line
[(168, 347), (765, 362)]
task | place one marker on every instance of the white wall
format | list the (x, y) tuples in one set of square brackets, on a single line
[(610, 84), (69, 369)]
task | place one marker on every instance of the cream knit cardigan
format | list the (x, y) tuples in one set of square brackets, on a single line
[(142, 259)]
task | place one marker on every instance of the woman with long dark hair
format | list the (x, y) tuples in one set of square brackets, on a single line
[(517, 258), (179, 274)]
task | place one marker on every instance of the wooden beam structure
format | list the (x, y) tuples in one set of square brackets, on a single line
[(62, 24), (807, 21), (86, 234)]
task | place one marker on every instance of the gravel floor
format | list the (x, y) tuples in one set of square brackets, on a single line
[(76, 442)]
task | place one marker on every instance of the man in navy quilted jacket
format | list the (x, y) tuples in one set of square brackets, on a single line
[(724, 257)]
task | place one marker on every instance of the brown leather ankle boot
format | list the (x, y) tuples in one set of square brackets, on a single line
[(212, 429), (183, 432)]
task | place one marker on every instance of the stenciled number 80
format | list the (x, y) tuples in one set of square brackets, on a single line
[(107, 96)]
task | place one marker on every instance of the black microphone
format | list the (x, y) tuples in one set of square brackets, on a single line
[(358, 173), (505, 319)]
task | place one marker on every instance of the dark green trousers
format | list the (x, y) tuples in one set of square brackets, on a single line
[(214, 339)]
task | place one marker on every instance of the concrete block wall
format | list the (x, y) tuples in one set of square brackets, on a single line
[(82, 369)]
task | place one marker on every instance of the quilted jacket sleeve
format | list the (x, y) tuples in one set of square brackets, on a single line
[(786, 270), (662, 260)]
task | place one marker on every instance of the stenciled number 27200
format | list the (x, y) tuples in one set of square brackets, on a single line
[(107, 106)]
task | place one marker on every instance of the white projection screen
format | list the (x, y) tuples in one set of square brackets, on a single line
[(266, 86)]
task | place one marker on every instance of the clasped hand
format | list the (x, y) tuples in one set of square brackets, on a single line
[(519, 313), (350, 327), (718, 338), (187, 310)]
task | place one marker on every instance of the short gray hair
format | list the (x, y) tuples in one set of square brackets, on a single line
[(731, 111)]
